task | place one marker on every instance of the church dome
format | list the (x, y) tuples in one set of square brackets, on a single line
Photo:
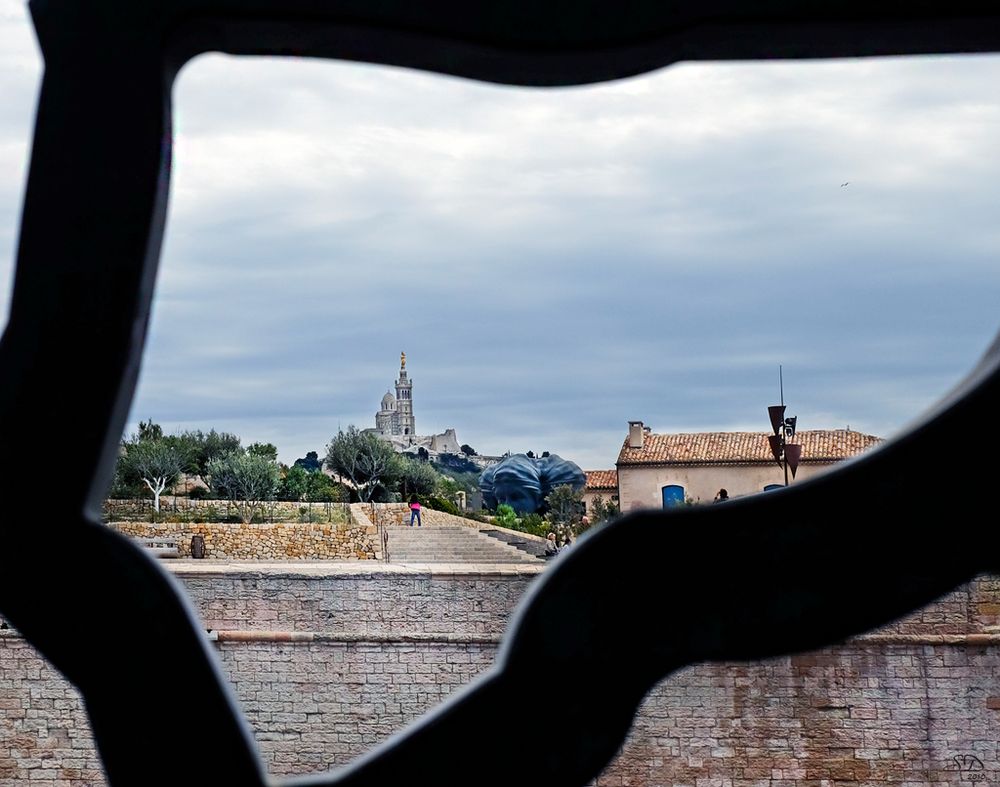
[(388, 401)]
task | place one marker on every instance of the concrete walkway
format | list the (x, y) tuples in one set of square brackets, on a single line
[(352, 568)]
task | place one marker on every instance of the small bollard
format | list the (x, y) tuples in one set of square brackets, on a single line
[(197, 546)]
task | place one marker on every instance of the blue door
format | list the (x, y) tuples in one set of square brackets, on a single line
[(673, 495)]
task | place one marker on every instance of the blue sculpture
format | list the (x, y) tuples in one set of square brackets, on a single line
[(523, 482)]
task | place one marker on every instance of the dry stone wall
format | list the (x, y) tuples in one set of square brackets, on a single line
[(392, 514), (915, 704), (265, 542), (184, 508), (348, 532)]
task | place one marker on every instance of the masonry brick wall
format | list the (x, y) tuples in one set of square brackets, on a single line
[(861, 714), (360, 602), (45, 738), (320, 705), (264, 542), (917, 703)]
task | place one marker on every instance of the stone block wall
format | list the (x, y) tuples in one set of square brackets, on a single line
[(916, 703), (279, 541), (394, 514), (45, 737), (316, 706), (365, 601), (186, 509)]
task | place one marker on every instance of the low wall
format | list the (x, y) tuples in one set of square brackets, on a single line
[(184, 509), (337, 532), (916, 703), (280, 541), (392, 514)]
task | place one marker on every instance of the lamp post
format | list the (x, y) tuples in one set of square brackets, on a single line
[(785, 453)]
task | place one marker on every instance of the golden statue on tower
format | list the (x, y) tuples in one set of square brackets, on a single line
[(402, 360)]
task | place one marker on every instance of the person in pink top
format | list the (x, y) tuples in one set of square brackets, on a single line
[(414, 511)]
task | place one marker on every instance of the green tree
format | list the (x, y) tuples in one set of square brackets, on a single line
[(247, 480), (267, 450), (148, 431), (417, 478), (126, 482), (294, 484), (601, 511), (159, 462), (564, 504), (321, 489), (468, 450), (207, 446), (370, 464)]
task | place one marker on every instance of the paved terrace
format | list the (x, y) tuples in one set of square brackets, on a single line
[(324, 568)]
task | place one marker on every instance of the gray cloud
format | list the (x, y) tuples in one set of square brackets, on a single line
[(557, 262)]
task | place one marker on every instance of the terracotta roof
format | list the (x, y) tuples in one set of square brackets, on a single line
[(601, 479), (820, 445)]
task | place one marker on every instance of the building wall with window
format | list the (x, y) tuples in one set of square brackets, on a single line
[(658, 470)]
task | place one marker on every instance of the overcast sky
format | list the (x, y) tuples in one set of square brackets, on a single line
[(558, 262)]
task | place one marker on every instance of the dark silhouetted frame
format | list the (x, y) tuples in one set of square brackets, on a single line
[(792, 570)]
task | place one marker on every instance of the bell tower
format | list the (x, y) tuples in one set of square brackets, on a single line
[(404, 400)]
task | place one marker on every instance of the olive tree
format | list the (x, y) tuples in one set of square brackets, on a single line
[(245, 479), (417, 478), (564, 505), (370, 464), (159, 462)]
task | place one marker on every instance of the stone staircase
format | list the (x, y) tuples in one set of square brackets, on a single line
[(450, 544), (533, 547)]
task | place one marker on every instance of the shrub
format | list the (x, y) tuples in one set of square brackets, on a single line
[(534, 524), (506, 516), (476, 516), (442, 504)]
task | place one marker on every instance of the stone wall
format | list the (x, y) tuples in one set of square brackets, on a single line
[(348, 532), (45, 739), (280, 541), (173, 508), (389, 514), (372, 600), (917, 703)]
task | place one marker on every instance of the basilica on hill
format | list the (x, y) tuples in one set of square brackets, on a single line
[(395, 422)]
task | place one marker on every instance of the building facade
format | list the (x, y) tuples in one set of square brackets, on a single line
[(662, 470), (600, 484)]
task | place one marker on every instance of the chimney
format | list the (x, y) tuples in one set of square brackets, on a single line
[(636, 434)]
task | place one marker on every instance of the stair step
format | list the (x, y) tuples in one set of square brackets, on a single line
[(450, 544)]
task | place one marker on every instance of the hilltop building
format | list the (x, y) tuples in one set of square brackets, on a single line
[(395, 422), (395, 418)]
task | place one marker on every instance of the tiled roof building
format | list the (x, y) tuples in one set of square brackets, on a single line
[(600, 484), (661, 470), (601, 480), (819, 445)]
